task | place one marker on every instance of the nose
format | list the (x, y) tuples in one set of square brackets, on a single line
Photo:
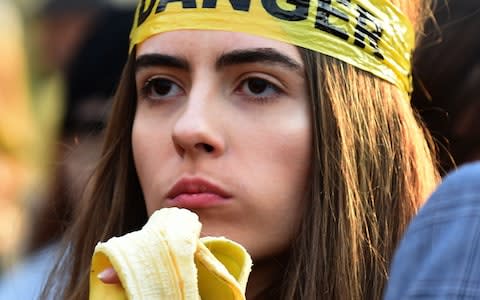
[(197, 131)]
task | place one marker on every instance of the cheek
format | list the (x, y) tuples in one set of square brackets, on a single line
[(140, 152), (148, 147), (286, 153), (275, 190), (287, 188)]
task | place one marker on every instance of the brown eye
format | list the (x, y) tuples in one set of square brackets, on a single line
[(161, 88), (258, 89), (257, 85)]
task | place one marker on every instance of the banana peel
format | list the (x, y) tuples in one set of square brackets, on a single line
[(168, 260)]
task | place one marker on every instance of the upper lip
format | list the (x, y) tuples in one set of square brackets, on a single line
[(195, 186)]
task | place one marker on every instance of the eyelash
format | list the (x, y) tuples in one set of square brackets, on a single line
[(276, 91), (148, 89)]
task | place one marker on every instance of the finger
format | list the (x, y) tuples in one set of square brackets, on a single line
[(109, 276)]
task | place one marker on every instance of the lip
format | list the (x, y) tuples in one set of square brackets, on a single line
[(196, 193)]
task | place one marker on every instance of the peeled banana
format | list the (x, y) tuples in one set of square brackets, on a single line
[(167, 260)]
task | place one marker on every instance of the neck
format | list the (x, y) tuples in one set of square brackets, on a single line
[(263, 275)]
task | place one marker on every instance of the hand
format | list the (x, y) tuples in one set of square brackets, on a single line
[(109, 276)]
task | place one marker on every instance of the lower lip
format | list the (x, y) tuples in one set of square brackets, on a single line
[(200, 200)]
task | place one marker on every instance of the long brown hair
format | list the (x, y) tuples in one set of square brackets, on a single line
[(113, 203), (371, 169)]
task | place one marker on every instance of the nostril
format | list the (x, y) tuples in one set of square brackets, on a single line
[(208, 148)]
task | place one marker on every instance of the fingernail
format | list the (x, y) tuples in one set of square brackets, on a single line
[(105, 274)]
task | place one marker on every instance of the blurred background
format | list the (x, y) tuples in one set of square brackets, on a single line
[(59, 65), (447, 80), (60, 61)]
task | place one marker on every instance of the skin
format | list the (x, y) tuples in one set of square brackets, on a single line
[(232, 109)]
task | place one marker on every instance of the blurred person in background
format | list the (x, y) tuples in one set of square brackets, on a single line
[(90, 74), (16, 131), (439, 256), (447, 91), (90, 62)]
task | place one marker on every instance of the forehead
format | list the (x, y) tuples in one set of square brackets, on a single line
[(210, 42)]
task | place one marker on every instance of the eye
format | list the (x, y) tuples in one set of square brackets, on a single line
[(258, 88), (159, 88)]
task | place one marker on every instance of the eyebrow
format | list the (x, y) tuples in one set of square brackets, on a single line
[(236, 57), (161, 60), (256, 55)]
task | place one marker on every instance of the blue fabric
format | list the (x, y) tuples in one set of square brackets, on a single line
[(26, 280), (439, 256)]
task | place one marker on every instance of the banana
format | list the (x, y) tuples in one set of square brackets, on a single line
[(167, 260)]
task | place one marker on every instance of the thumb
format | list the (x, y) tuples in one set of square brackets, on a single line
[(109, 276)]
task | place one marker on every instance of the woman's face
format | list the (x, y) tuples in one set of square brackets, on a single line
[(223, 129)]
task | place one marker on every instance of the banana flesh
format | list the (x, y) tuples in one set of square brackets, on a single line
[(167, 260)]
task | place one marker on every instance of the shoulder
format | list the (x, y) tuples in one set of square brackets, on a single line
[(456, 198), (464, 180), (26, 280), (439, 256)]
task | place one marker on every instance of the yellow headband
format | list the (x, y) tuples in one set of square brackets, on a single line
[(372, 35)]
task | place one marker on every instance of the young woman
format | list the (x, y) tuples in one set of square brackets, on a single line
[(254, 113)]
